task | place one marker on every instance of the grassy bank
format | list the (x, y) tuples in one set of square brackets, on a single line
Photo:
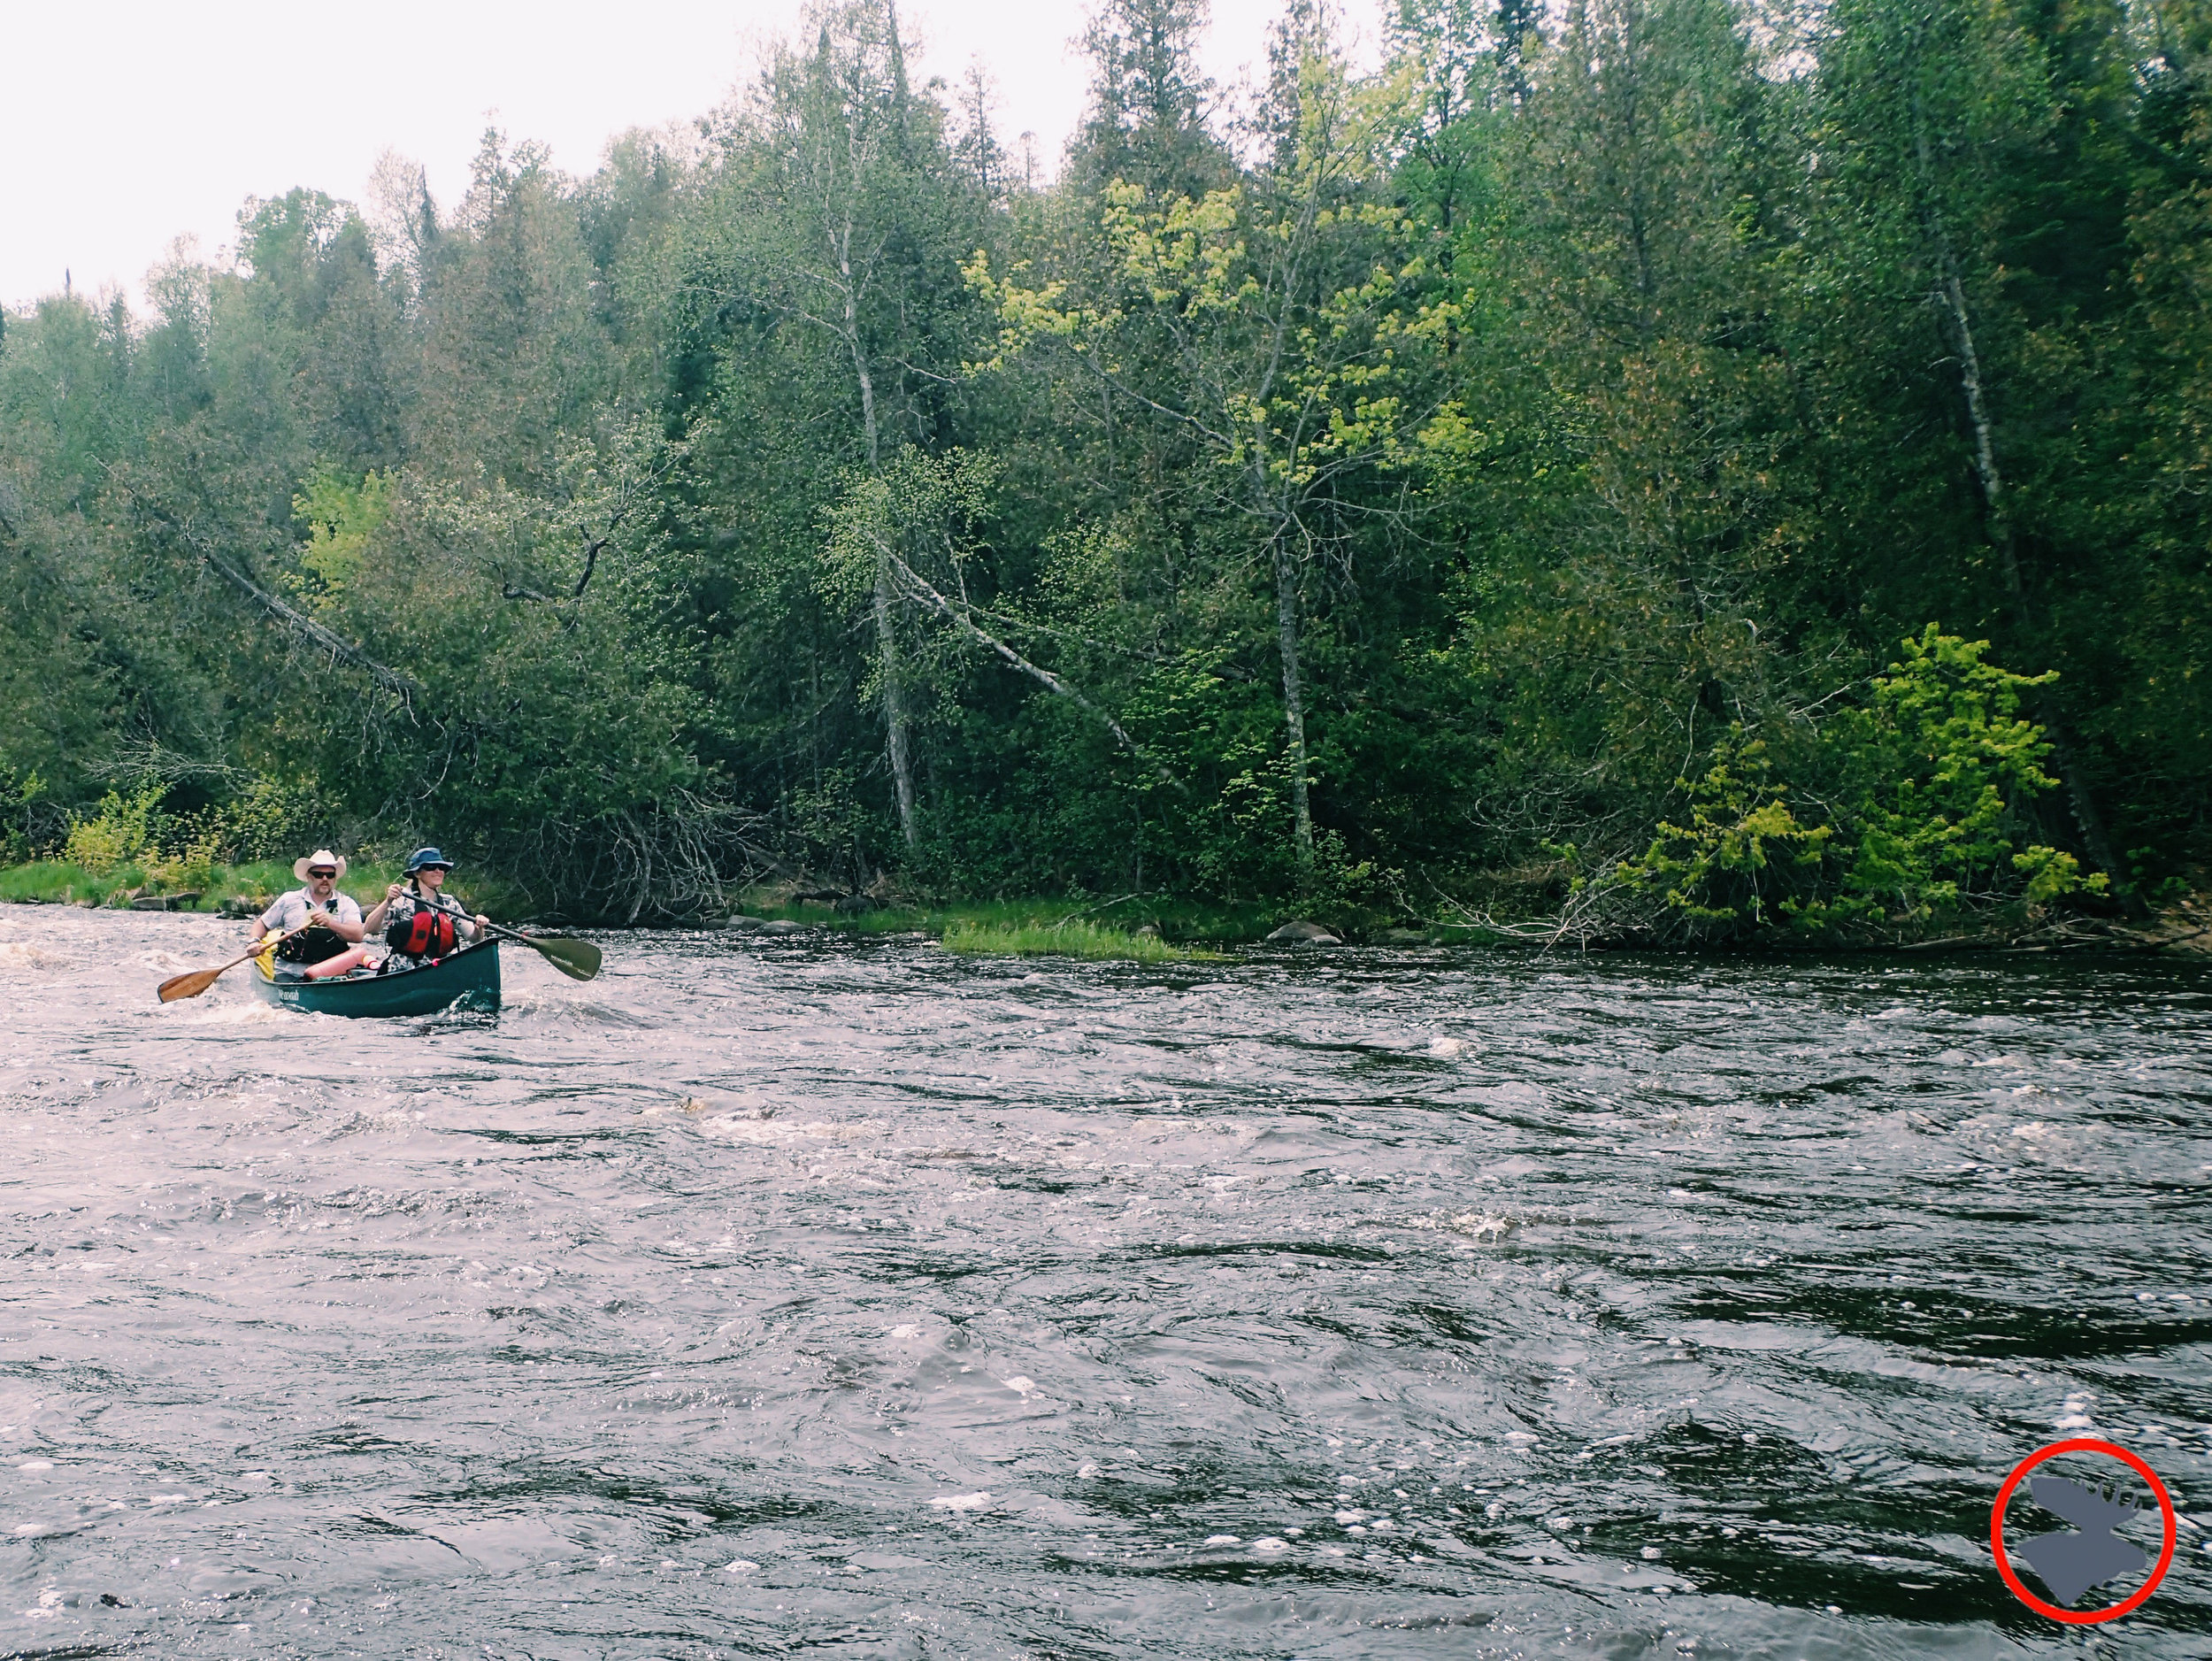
[(1138, 928), (1212, 922), (1147, 928), (1157, 928), (1093, 942)]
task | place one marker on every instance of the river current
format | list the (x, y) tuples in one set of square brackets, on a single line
[(815, 1297)]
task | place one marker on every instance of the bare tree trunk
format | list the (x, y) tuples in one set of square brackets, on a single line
[(335, 646), (887, 667), (1996, 509), (1294, 699), (340, 649), (1998, 518), (894, 701), (1997, 512)]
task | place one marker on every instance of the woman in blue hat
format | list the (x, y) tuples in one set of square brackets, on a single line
[(421, 922)]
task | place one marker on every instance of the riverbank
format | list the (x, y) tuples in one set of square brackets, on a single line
[(1152, 927), (1139, 928)]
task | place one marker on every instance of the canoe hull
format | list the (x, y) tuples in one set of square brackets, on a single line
[(467, 980)]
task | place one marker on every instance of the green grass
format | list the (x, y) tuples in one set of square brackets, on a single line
[(1200, 921), (1073, 938), (51, 881)]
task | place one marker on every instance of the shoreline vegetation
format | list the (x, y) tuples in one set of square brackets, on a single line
[(1163, 929), (235, 890), (1145, 929)]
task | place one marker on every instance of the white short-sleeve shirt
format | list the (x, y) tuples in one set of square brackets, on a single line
[(290, 910)]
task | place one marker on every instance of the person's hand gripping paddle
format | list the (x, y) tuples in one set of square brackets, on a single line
[(190, 985), (578, 959)]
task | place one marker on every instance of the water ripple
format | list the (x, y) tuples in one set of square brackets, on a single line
[(766, 1297)]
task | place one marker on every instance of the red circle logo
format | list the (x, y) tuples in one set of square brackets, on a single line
[(2135, 1600)]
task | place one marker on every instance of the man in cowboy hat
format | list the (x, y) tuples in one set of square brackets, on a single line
[(444, 921), (328, 924)]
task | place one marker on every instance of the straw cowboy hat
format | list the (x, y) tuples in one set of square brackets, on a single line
[(320, 856)]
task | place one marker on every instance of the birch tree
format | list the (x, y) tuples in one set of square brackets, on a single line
[(1926, 102), (1271, 324), (832, 214)]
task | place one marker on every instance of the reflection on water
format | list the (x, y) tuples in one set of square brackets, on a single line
[(766, 1297)]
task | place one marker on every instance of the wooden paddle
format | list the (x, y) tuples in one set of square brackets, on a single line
[(190, 985), (578, 959)]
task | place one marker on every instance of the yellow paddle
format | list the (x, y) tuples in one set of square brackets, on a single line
[(190, 985)]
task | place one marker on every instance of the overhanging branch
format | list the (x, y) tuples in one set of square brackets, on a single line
[(339, 648), (921, 588)]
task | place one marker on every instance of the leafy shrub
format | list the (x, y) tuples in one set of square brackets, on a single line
[(1744, 856), (1941, 758), (18, 793), (271, 816), (121, 832), (189, 867), (1338, 883), (340, 518), (1908, 807)]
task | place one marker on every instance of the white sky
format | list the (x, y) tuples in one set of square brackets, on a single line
[(125, 127)]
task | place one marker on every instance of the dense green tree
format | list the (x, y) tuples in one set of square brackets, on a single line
[(821, 267)]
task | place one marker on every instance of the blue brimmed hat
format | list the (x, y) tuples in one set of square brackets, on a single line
[(423, 857)]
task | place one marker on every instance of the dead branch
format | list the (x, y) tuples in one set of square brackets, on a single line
[(922, 588), (336, 646)]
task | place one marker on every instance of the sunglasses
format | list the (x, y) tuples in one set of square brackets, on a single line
[(322, 870)]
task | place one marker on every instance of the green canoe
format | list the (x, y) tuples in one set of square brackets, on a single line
[(467, 980)]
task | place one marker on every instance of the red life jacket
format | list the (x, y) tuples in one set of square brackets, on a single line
[(426, 933)]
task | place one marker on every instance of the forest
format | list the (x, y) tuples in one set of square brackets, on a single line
[(1675, 472)]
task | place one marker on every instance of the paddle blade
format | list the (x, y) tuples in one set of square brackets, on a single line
[(188, 986), (578, 959)]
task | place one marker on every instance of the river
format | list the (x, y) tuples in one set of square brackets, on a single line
[(823, 1296)]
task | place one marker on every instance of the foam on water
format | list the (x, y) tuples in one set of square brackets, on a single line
[(207, 1009), (21, 956)]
